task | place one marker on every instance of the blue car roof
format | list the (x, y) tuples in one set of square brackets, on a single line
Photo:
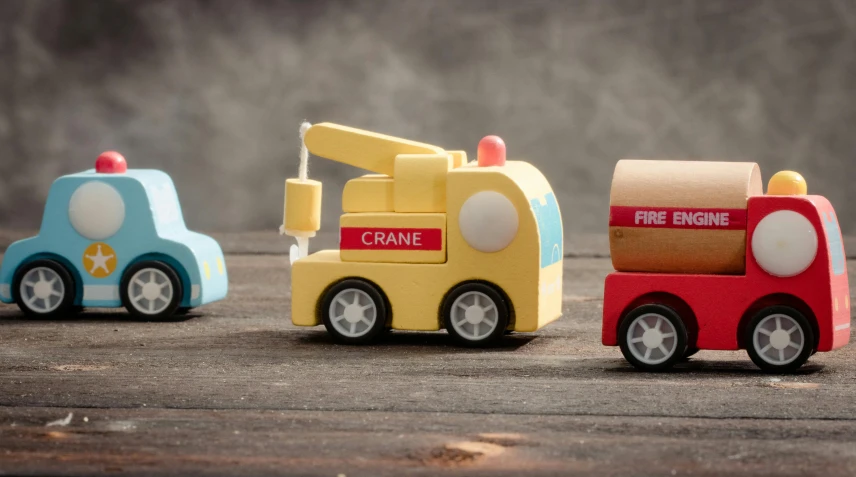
[(141, 175)]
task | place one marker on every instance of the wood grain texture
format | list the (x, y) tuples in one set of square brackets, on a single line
[(637, 249), (236, 389), (646, 183), (268, 442), (700, 184)]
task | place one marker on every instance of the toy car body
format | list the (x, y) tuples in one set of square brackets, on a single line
[(111, 239), (789, 300), (427, 242)]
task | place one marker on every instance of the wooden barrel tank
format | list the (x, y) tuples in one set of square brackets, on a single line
[(681, 216)]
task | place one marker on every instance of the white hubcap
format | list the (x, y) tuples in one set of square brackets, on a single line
[(150, 291), (652, 339), (778, 339), (474, 315), (42, 290), (353, 313)]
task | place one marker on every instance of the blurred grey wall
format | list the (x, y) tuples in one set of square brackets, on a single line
[(213, 92)]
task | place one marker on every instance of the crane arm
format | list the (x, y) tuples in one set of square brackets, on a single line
[(359, 148)]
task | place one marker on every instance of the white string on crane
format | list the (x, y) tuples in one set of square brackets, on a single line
[(303, 170)]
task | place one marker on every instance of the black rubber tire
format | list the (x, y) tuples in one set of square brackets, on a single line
[(66, 306), (183, 310), (808, 346), (375, 294), (691, 351), (172, 307), (669, 314), (502, 307)]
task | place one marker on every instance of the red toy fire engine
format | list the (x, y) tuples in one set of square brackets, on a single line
[(705, 260)]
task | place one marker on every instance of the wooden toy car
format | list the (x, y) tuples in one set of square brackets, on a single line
[(704, 260), (113, 237), (428, 242)]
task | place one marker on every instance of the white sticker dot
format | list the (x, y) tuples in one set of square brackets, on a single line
[(784, 243), (488, 221), (96, 210)]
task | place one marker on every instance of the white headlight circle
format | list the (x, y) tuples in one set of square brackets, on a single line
[(96, 210), (488, 221), (784, 243)]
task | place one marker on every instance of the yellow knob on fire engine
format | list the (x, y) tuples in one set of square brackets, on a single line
[(787, 183), (302, 207)]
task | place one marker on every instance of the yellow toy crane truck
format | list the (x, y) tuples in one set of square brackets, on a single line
[(427, 242)]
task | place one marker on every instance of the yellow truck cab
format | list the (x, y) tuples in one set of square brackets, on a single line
[(427, 242)]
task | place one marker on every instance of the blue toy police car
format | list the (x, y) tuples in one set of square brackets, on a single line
[(113, 237)]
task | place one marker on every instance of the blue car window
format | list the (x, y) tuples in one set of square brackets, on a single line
[(164, 202), (549, 228), (836, 247)]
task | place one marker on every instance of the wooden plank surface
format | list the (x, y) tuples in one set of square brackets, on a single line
[(236, 389)]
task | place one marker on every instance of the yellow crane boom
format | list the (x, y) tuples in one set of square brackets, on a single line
[(364, 149)]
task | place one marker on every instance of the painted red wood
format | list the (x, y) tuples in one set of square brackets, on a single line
[(719, 303), (677, 218), (386, 238)]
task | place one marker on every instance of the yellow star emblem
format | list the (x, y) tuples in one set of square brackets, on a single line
[(99, 259)]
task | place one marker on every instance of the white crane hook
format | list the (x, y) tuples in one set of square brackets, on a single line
[(301, 248)]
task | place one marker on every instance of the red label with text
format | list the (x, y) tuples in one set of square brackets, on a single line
[(373, 238), (677, 218)]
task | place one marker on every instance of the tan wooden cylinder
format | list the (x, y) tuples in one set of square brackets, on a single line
[(680, 245)]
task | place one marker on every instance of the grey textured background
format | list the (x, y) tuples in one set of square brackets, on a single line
[(213, 91)]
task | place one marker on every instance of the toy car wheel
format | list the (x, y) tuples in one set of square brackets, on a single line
[(44, 288), (475, 314), (691, 351), (779, 339), (652, 337), (354, 311), (151, 290)]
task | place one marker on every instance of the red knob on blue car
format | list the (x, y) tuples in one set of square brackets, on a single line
[(111, 162)]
